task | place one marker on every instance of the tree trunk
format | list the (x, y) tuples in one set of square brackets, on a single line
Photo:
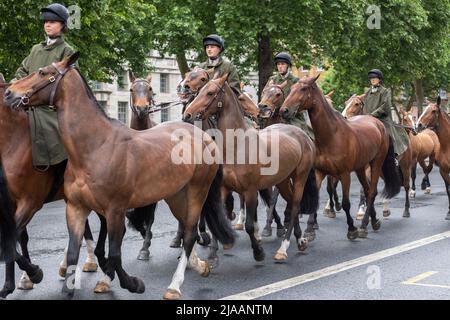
[(418, 86), (264, 61), (182, 63), (411, 98), (399, 118)]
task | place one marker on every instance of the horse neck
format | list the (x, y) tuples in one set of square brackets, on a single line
[(443, 131), (84, 127), (140, 123), (324, 120), (232, 116)]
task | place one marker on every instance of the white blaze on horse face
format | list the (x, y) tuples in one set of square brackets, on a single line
[(347, 106), (178, 277), (421, 116)]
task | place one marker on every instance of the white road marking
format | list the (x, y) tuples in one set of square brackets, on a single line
[(295, 281)]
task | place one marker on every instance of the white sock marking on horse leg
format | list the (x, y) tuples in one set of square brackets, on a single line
[(241, 217), (90, 249), (257, 234), (63, 263), (106, 279), (196, 263), (178, 277), (284, 246), (386, 203), (328, 206)]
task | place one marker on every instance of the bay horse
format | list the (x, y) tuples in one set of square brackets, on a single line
[(25, 191), (272, 99), (425, 145), (112, 167), (187, 91), (244, 171), (354, 107), (344, 146), (434, 117)]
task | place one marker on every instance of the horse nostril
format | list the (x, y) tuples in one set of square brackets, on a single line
[(285, 111), (187, 117), (7, 93)]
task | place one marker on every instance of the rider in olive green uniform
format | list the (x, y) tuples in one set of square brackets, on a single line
[(283, 61), (377, 102), (47, 148)]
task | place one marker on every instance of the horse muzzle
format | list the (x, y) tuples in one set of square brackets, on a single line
[(13, 100)]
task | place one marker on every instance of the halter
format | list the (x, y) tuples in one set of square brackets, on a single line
[(273, 110), (25, 99), (147, 107), (220, 103)]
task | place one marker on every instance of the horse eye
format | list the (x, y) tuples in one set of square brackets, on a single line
[(210, 93), (278, 94), (203, 79), (41, 72)]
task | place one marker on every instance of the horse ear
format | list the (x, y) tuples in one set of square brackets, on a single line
[(223, 78), (149, 78), (131, 75), (314, 79), (283, 85), (2, 78), (70, 60), (361, 97), (330, 94), (242, 85), (438, 101)]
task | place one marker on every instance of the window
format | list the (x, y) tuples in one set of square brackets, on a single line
[(164, 83), (98, 85), (122, 81), (164, 112), (122, 112)]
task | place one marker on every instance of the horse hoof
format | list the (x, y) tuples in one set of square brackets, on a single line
[(352, 235), (176, 243), (412, 194), (406, 214), (362, 233), (228, 246), (37, 276), (386, 213), (213, 262), (206, 269), (302, 244), (331, 214), (280, 256), (310, 235), (326, 212), (316, 226), (62, 272), (25, 284), (338, 206), (376, 225), (428, 190), (259, 255), (172, 294), (102, 287), (90, 267), (238, 226), (281, 232), (267, 232), (137, 286), (144, 255)]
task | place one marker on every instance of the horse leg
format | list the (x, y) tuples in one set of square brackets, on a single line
[(176, 241), (352, 232), (406, 173), (91, 263), (412, 193), (116, 225), (337, 205), (104, 285), (229, 206), (364, 195), (330, 213), (25, 282), (312, 224), (426, 170), (9, 286), (241, 217), (144, 253), (251, 203), (76, 221), (446, 178), (374, 177), (270, 197)]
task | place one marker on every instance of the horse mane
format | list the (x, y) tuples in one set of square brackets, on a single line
[(91, 95), (330, 107)]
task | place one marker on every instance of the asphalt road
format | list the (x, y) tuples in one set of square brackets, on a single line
[(331, 268)]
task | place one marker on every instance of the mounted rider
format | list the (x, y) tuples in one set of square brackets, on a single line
[(214, 45), (47, 149), (377, 102), (283, 63)]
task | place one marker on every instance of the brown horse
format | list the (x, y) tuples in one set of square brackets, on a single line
[(435, 118), (354, 107), (425, 145), (272, 99), (244, 169), (112, 167), (27, 190), (345, 146)]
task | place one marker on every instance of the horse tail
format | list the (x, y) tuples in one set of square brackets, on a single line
[(392, 174), (139, 218), (213, 211), (310, 199), (8, 230)]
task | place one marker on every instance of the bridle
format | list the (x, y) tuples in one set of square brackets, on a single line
[(25, 99), (218, 96), (272, 107), (148, 107)]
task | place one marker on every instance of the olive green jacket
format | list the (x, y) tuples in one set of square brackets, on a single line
[(47, 148), (378, 104), (224, 66), (279, 79)]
